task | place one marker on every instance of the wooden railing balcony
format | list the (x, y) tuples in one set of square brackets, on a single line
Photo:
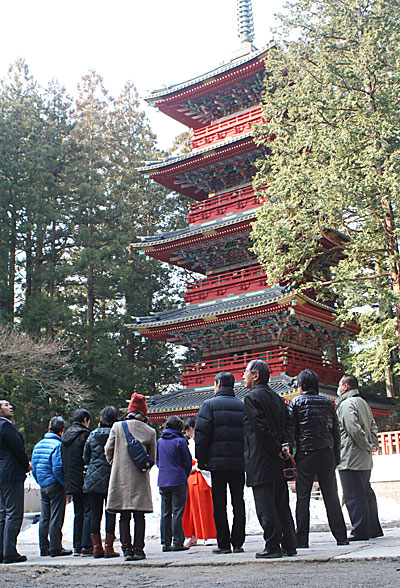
[(231, 282), (232, 127), (287, 361), (389, 443), (221, 204)]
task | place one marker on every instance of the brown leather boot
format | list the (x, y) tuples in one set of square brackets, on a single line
[(97, 546), (109, 546)]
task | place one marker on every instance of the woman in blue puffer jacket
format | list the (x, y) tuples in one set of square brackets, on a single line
[(96, 482)]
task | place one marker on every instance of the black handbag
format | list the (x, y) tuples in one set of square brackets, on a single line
[(289, 469), (137, 452)]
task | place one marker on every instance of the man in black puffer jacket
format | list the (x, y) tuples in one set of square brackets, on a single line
[(317, 441), (73, 442), (219, 449)]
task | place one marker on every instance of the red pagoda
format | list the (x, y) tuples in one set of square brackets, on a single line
[(233, 314)]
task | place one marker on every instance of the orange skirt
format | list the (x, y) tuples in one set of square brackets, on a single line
[(198, 520)]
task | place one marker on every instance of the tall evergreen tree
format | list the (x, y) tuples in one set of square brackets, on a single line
[(332, 105)]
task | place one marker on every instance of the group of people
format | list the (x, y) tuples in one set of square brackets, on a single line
[(231, 443)]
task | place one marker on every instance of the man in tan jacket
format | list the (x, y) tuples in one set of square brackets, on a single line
[(358, 440)]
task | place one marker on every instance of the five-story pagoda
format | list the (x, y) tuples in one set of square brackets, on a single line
[(233, 314)]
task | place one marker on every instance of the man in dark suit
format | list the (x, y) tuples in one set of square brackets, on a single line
[(268, 433), (14, 464)]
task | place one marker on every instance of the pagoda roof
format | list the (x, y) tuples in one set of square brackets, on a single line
[(219, 306), (181, 173), (211, 78), (207, 229), (217, 309)]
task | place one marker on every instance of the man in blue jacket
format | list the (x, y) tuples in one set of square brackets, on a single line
[(48, 473), (13, 467)]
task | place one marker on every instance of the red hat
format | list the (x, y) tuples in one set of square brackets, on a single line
[(137, 404)]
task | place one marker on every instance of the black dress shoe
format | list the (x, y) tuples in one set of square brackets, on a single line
[(61, 552), (16, 559), (346, 542), (238, 550), (289, 552), (268, 555), (180, 547), (220, 551), (166, 548), (302, 546)]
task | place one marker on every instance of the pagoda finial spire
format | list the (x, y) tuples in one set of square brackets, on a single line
[(245, 21)]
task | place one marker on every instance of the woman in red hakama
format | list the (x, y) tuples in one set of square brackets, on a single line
[(198, 520)]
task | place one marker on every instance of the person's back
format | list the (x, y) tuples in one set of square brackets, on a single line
[(174, 466), (46, 460), (73, 443), (219, 432), (317, 442), (173, 458), (98, 469), (219, 448), (315, 422)]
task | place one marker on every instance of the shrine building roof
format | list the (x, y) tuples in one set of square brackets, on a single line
[(192, 398)]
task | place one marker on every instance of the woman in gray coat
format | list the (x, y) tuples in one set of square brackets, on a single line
[(129, 490)]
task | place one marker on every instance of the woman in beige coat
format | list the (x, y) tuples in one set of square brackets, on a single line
[(129, 489)]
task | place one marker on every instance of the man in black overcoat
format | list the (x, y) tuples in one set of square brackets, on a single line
[(268, 437), (14, 464)]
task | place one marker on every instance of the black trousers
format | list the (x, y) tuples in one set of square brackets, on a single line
[(125, 529), (52, 500), (96, 506), (173, 501), (320, 463), (235, 480), (82, 521), (360, 501), (274, 515), (11, 515)]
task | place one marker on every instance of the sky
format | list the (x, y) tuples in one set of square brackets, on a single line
[(149, 42)]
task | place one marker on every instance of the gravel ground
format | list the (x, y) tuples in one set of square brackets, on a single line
[(282, 574)]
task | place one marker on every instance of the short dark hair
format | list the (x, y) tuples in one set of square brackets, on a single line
[(56, 424), (175, 423), (350, 380), (190, 423), (81, 414), (108, 416), (308, 380), (261, 368), (226, 379)]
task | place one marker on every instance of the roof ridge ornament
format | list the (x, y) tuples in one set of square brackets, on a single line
[(245, 28), (245, 21)]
